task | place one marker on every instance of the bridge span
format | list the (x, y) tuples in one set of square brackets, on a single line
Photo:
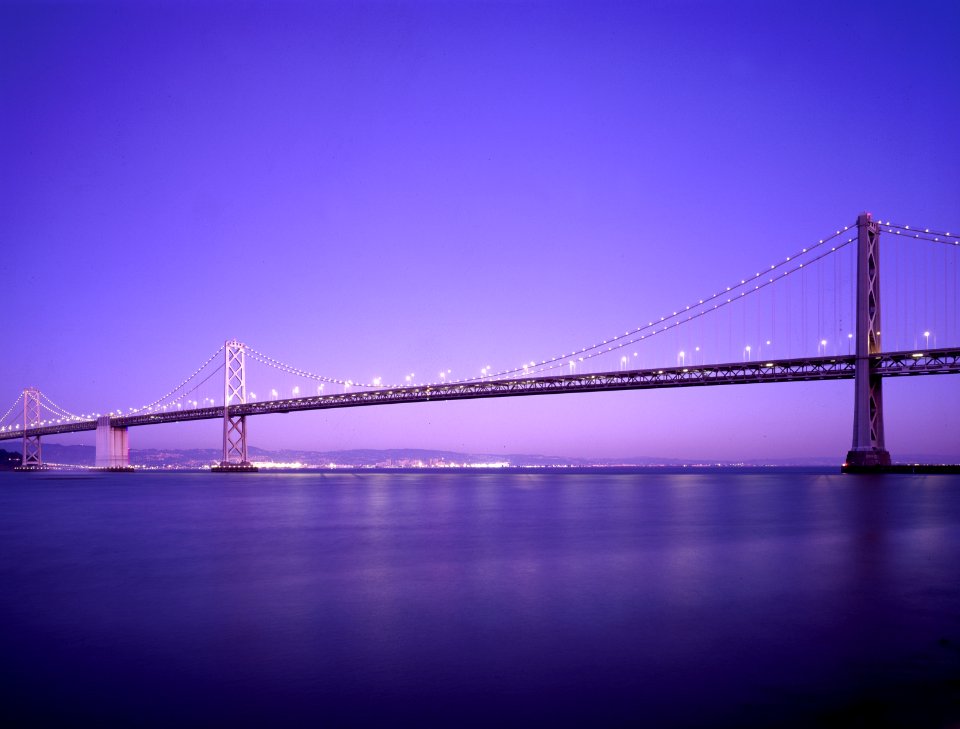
[(805, 369), (866, 363)]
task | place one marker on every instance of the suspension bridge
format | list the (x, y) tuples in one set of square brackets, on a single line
[(826, 294)]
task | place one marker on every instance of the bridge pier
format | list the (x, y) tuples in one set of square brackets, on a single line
[(868, 448), (113, 447), (31, 457), (234, 426)]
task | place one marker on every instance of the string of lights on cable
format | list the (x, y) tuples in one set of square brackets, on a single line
[(12, 407), (908, 231), (150, 406), (591, 351)]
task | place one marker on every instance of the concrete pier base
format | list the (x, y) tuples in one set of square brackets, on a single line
[(113, 447), (867, 457), (952, 468)]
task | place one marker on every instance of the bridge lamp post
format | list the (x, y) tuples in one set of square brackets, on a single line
[(253, 396), (746, 351), (822, 349), (926, 338), (296, 391), (274, 394), (682, 358), (623, 364), (849, 342)]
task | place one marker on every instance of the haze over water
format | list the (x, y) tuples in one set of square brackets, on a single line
[(648, 598)]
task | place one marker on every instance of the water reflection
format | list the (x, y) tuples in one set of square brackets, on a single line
[(464, 598)]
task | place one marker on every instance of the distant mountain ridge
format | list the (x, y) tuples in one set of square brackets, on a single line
[(9, 459), (84, 455)]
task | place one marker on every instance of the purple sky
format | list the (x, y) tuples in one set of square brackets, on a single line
[(375, 189)]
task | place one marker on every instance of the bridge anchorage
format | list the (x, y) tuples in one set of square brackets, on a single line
[(32, 459), (113, 447), (234, 426)]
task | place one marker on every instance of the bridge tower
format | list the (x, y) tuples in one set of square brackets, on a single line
[(868, 444), (32, 459), (234, 426)]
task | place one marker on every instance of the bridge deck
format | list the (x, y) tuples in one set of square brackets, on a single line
[(893, 364)]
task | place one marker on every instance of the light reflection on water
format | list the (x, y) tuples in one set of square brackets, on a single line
[(468, 598)]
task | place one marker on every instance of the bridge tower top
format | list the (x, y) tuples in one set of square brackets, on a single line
[(235, 379)]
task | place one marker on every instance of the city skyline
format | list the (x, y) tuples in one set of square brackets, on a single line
[(380, 190)]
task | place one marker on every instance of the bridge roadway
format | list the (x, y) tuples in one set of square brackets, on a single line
[(893, 364)]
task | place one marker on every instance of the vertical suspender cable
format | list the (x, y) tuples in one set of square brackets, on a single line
[(803, 311)]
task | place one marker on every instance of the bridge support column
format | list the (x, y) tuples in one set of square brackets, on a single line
[(113, 447), (32, 458), (234, 426), (868, 444)]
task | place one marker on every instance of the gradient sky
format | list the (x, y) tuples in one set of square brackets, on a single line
[(371, 189)]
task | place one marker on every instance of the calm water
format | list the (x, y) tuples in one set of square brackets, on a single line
[(647, 599)]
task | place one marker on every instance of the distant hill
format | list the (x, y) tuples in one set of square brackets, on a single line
[(8, 460), (84, 455)]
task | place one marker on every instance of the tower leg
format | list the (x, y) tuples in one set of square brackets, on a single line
[(32, 458), (868, 442)]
